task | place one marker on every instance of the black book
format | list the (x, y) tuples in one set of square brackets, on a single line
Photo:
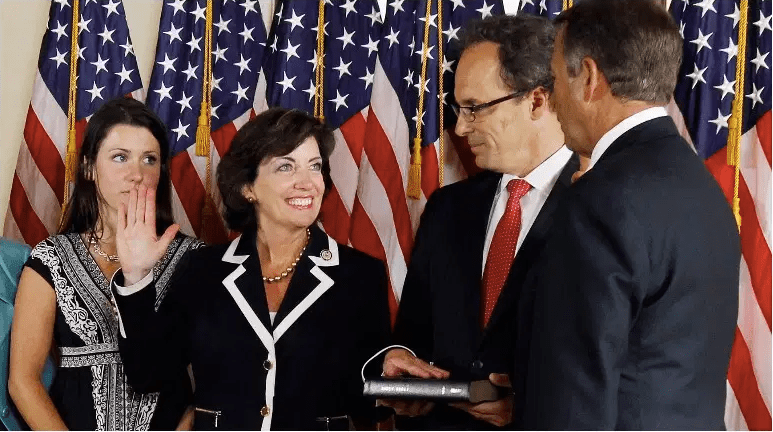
[(431, 389)]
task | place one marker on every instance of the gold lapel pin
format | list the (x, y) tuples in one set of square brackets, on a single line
[(326, 255)]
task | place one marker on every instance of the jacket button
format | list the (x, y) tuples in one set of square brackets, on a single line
[(477, 364), (5, 412), (267, 365), (265, 411)]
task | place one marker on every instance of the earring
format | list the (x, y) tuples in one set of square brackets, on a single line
[(251, 200)]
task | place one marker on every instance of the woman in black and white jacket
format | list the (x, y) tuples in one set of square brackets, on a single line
[(277, 324)]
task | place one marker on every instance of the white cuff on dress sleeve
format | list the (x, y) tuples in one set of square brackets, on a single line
[(131, 289)]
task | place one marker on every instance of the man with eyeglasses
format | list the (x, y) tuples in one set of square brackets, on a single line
[(462, 302)]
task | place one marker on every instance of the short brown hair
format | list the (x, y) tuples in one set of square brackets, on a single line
[(525, 47), (635, 44), (274, 132)]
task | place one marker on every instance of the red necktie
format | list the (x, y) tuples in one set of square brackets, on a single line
[(502, 250)]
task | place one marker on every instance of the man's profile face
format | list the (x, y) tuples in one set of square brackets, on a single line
[(500, 134), (565, 100)]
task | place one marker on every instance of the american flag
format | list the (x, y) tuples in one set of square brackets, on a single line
[(176, 89), (384, 220), (704, 96), (106, 68), (546, 8)]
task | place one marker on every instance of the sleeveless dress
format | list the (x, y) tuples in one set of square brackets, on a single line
[(90, 390)]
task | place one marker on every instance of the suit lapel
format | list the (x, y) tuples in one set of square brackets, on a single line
[(530, 249), (309, 282), (242, 284), (473, 222)]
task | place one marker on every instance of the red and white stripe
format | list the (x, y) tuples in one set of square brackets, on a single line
[(380, 218), (37, 188), (748, 404)]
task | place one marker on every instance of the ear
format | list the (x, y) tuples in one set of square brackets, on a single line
[(595, 83), (540, 99), (247, 193)]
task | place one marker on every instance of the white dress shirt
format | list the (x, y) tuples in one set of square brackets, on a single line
[(624, 126), (542, 178)]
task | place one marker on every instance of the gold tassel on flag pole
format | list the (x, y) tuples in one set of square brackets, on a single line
[(414, 175), (735, 123), (203, 129), (319, 83), (71, 155), (442, 100)]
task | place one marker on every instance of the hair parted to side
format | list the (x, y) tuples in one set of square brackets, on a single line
[(525, 48), (82, 213), (635, 43), (274, 132)]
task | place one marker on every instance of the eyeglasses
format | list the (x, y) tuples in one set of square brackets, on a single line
[(469, 111)]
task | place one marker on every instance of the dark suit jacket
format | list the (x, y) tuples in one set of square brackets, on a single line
[(636, 306), (334, 316), (439, 314)]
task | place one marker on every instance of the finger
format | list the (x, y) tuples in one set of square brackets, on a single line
[(166, 239), (142, 199), (500, 380), (131, 211), (121, 219), (421, 369), (150, 210)]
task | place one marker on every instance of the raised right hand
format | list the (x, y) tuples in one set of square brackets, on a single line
[(400, 362), (136, 242)]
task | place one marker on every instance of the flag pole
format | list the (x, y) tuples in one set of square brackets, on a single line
[(414, 175), (735, 123), (71, 152), (319, 85), (204, 128), (442, 100)]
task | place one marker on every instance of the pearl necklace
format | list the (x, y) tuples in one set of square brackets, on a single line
[(94, 242), (290, 269)]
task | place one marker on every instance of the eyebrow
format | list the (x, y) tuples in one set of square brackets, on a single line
[(291, 159)]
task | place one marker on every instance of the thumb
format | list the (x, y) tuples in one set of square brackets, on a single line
[(500, 380)]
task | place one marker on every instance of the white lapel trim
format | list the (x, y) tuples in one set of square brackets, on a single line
[(267, 338), (257, 325), (333, 261), (325, 283), (229, 256)]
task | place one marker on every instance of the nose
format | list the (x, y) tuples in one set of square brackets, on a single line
[(463, 127), (135, 174), (303, 179)]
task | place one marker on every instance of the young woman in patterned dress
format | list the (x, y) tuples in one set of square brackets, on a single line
[(64, 304)]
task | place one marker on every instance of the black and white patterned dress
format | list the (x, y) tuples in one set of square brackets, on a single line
[(90, 390)]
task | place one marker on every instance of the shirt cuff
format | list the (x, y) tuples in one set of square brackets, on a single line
[(136, 287)]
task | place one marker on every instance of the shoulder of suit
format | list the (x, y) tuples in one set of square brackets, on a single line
[(348, 256), (472, 184)]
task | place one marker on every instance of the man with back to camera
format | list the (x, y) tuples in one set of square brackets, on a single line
[(461, 292), (636, 307)]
